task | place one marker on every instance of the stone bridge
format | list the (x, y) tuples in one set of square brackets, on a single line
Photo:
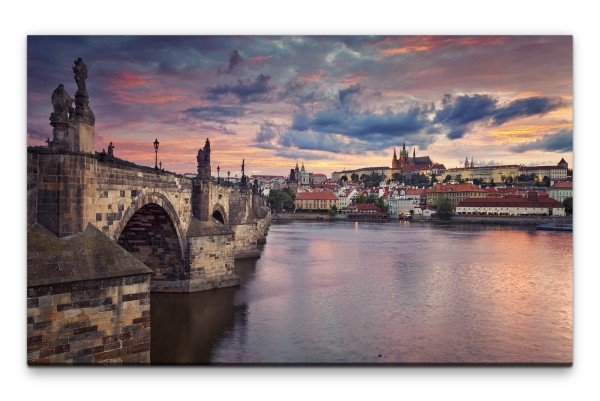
[(187, 230), (101, 236)]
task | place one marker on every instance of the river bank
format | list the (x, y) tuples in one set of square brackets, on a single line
[(304, 216), (503, 220)]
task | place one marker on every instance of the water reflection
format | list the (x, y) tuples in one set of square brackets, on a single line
[(186, 328), (337, 292)]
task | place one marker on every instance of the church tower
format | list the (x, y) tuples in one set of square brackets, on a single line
[(466, 162), (403, 161), (472, 164), (395, 164), (414, 161)]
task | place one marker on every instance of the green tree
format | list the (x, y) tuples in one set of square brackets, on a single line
[(398, 177), (381, 204), (365, 179), (290, 192), (477, 181), (433, 179), (343, 179), (280, 200), (568, 204), (354, 178), (332, 211), (444, 209), (546, 180), (448, 178), (361, 198)]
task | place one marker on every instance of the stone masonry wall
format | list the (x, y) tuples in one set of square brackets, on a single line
[(32, 172), (211, 258), (65, 190), (103, 321), (121, 190), (246, 239)]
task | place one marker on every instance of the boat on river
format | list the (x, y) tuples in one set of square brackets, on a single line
[(555, 227)]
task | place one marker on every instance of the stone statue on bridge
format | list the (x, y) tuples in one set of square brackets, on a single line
[(203, 160), (83, 113), (110, 157), (62, 104), (80, 70), (244, 180)]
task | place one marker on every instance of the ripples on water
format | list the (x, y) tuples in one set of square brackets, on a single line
[(346, 292)]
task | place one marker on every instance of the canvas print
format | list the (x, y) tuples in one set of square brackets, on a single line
[(370, 200)]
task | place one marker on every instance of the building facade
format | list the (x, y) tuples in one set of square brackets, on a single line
[(561, 190), (485, 173), (531, 205), (316, 201), (456, 193), (554, 173)]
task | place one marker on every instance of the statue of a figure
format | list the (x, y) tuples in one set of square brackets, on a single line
[(255, 189), (203, 159), (80, 70), (110, 156), (62, 104), (243, 164)]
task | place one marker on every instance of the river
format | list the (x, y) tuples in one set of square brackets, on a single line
[(387, 293)]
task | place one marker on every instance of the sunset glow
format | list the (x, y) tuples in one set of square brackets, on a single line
[(332, 102)]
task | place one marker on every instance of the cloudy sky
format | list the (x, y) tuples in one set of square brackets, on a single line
[(331, 102)]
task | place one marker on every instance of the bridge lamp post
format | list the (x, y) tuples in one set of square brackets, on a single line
[(156, 143), (218, 176)]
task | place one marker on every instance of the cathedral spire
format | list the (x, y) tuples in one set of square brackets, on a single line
[(472, 164), (466, 162)]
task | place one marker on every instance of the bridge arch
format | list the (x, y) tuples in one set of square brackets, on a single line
[(220, 214), (151, 230)]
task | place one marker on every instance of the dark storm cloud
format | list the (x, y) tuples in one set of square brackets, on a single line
[(361, 125), (346, 95), (458, 114), (525, 107), (562, 141), (219, 114), (244, 90)]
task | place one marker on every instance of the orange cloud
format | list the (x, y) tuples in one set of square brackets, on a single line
[(313, 77), (426, 43), (259, 59), (139, 88)]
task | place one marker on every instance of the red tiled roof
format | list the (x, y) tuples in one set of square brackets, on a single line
[(316, 195), (415, 191), (563, 184), (509, 202), (366, 206), (455, 188)]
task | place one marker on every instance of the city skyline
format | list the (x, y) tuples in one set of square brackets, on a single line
[(331, 102)]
